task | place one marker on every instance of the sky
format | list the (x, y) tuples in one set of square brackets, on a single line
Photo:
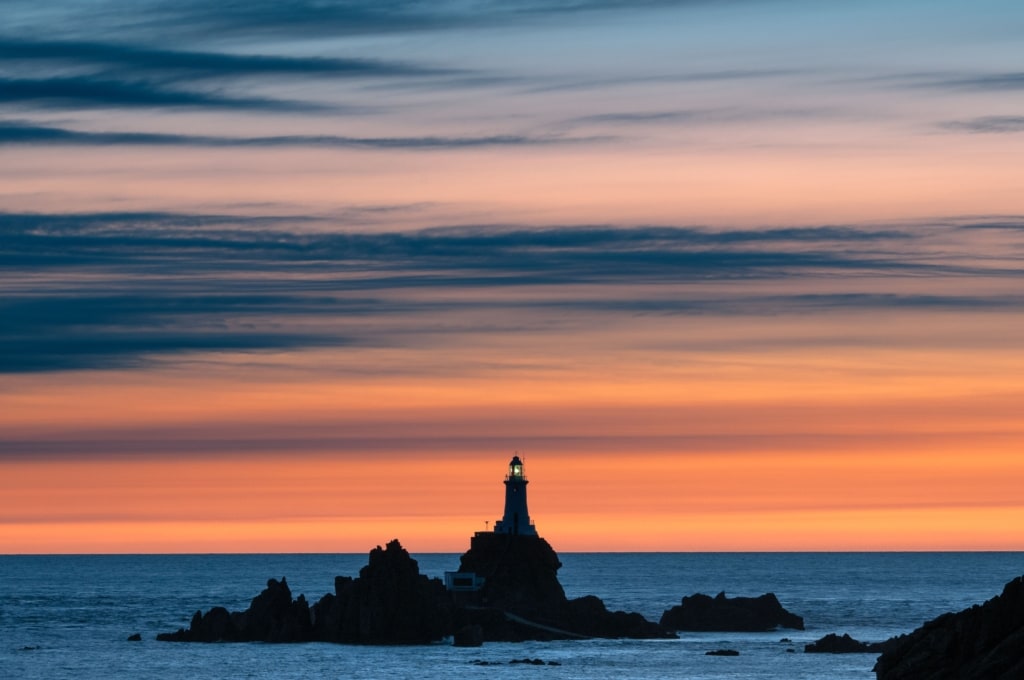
[(296, 276)]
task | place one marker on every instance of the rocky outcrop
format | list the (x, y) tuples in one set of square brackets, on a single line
[(522, 599), (844, 644), (739, 614), (271, 617), (520, 574), (985, 641), (588, 616), (390, 603)]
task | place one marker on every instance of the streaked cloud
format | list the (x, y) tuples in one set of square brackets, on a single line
[(88, 91), (996, 81), (168, 63), (124, 289), (21, 133), (987, 124), (345, 18)]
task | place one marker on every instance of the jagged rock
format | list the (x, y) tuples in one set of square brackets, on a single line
[(985, 641), (271, 617), (589, 616), (215, 626), (722, 652), (722, 614), (835, 644), (471, 635), (390, 603)]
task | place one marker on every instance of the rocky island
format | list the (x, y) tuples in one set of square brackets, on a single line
[(724, 614), (506, 589)]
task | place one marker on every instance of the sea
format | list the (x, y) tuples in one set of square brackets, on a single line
[(69, 616)]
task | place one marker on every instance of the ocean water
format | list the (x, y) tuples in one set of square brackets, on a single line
[(70, 616)]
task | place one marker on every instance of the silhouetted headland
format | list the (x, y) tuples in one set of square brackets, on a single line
[(985, 641)]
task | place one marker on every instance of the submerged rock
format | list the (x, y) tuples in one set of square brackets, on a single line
[(722, 652), (835, 644), (723, 614), (985, 641)]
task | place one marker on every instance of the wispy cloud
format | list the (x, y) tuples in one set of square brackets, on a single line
[(698, 116), (90, 91), (340, 18), (17, 132), (1011, 80), (986, 124), (82, 74), (199, 64), (122, 289), (678, 77)]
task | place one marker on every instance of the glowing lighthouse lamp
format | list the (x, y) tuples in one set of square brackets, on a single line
[(517, 517)]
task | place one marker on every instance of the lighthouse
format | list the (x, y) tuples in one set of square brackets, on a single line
[(517, 518)]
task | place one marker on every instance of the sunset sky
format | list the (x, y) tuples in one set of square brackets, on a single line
[(288, 276)]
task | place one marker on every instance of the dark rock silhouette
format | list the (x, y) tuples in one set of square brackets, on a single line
[(722, 652), (722, 614), (271, 617), (835, 644), (520, 574), (985, 641), (522, 599), (589, 616), (471, 635), (135, 637), (392, 603), (516, 662)]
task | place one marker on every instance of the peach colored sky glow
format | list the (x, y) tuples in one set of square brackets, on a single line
[(731, 276)]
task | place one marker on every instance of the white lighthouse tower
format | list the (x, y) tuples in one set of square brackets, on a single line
[(517, 517)]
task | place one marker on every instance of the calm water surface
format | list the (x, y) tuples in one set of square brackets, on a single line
[(69, 616)]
